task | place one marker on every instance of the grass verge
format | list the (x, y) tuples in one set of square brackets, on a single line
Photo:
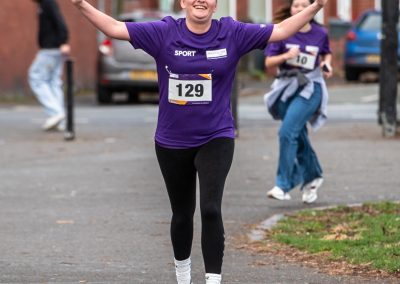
[(367, 235)]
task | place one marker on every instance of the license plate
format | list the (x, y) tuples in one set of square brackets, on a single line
[(144, 75), (373, 58)]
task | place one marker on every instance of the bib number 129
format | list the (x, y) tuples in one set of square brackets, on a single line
[(190, 90)]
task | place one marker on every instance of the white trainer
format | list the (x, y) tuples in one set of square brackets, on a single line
[(52, 122), (278, 193), (212, 278), (183, 270), (311, 189)]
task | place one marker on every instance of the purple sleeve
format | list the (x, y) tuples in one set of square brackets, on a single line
[(147, 35), (326, 49), (274, 48), (252, 36)]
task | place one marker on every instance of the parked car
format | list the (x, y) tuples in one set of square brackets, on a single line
[(121, 68), (363, 45)]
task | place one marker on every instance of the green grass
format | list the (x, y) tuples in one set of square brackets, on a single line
[(367, 234)]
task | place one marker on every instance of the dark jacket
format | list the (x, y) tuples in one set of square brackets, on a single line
[(52, 29)]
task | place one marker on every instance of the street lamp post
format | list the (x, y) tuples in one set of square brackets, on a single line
[(388, 68)]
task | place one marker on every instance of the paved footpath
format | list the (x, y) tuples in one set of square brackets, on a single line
[(95, 210)]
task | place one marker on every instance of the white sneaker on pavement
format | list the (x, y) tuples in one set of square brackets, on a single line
[(278, 193), (183, 270), (53, 121), (212, 278), (311, 189)]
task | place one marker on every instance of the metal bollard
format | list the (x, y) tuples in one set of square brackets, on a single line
[(69, 133)]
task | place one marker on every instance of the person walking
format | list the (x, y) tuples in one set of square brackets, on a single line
[(298, 95), (44, 75), (196, 59)]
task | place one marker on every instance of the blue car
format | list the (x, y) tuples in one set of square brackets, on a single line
[(363, 45)]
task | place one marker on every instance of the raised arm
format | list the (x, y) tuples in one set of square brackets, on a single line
[(108, 25), (293, 24)]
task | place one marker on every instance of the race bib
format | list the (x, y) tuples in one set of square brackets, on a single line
[(190, 89), (303, 60)]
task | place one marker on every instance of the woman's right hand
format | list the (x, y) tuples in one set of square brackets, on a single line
[(292, 53)]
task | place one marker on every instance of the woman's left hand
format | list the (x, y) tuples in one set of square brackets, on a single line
[(326, 69), (65, 49)]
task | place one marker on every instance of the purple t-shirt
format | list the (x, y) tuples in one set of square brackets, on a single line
[(183, 55), (315, 40)]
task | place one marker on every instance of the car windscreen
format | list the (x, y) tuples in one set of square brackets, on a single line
[(372, 22)]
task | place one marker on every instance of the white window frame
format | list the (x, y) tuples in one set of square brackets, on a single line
[(344, 9), (320, 16), (266, 15), (233, 9), (378, 4), (268, 11)]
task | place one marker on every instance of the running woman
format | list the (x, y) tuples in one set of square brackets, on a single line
[(299, 95), (196, 60)]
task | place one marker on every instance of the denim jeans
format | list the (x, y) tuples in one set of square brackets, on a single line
[(45, 80), (298, 163)]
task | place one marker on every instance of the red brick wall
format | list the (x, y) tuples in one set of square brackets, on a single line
[(278, 3), (361, 6), (242, 10), (130, 5), (18, 46), (331, 10)]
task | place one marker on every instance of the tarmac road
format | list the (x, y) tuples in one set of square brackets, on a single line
[(94, 210)]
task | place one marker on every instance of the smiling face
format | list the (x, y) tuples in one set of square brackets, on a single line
[(298, 6), (199, 11)]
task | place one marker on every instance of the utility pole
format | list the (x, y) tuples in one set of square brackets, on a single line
[(388, 68)]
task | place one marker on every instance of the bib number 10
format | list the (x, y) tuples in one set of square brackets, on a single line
[(190, 90), (304, 60)]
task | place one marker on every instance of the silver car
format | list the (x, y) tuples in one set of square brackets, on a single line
[(121, 68)]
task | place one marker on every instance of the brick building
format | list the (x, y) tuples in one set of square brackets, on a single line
[(19, 29), (18, 20)]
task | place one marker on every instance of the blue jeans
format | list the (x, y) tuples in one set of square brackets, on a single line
[(298, 163), (45, 80)]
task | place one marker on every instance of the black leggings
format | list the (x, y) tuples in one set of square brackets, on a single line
[(212, 162)]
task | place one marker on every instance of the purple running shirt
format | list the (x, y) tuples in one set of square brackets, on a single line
[(315, 40), (195, 75)]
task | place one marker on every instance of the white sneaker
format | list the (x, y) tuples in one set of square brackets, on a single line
[(310, 190), (278, 193), (212, 278), (183, 269), (53, 121)]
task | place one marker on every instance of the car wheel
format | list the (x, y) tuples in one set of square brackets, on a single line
[(351, 74), (104, 95), (133, 97)]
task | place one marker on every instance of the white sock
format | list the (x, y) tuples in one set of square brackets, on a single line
[(212, 278), (182, 269)]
